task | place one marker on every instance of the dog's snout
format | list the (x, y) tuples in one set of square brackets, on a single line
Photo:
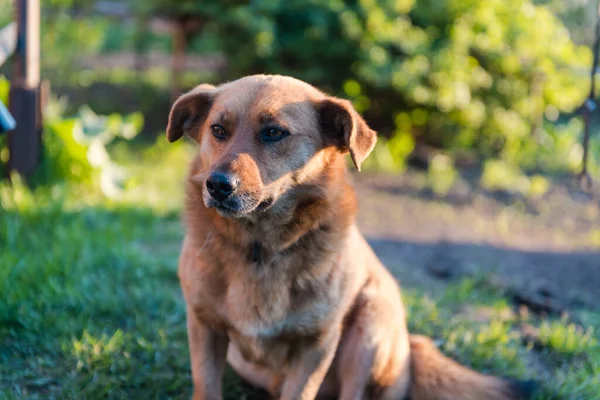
[(221, 185)]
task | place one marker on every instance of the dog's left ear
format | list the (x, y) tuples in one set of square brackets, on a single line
[(189, 112), (344, 128)]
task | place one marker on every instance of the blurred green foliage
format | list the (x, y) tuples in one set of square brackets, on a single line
[(66, 40), (75, 148), (441, 175), (499, 175), (461, 75), (490, 80), (4, 89)]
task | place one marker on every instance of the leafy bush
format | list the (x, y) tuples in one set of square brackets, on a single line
[(75, 148), (67, 35), (501, 176), (463, 75), (456, 74)]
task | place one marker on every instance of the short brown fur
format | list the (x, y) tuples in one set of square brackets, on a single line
[(277, 279)]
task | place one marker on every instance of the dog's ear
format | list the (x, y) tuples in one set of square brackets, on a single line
[(189, 111), (343, 127)]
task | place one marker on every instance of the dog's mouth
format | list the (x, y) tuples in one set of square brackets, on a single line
[(264, 205), (236, 209)]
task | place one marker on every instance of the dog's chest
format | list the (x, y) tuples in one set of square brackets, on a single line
[(268, 319), (274, 352), (266, 312), (268, 306)]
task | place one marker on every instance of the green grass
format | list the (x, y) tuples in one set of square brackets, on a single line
[(90, 305), (477, 325)]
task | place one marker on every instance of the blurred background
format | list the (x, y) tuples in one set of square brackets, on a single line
[(471, 197)]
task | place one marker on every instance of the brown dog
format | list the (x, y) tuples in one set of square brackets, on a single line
[(277, 279)]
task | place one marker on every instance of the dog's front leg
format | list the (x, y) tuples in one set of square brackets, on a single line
[(309, 369), (208, 353)]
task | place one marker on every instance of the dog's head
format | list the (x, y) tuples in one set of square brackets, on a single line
[(262, 135)]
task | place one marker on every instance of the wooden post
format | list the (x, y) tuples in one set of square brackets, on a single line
[(24, 143)]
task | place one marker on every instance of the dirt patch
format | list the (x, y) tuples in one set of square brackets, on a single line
[(545, 249)]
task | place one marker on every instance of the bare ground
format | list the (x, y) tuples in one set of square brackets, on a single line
[(543, 251)]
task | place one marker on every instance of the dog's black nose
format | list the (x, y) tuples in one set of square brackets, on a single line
[(221, 185)]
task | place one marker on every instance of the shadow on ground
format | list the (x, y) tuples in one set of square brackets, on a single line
[(559, 279)]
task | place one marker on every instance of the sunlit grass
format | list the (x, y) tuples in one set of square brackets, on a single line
[(474, 322), (566, 338), (91, 306)]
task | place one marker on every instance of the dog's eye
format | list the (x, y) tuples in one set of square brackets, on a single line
[(218, 132), (273, 134)]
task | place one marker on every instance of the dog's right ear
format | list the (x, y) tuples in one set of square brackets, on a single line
[(189, 112), (346, 129)]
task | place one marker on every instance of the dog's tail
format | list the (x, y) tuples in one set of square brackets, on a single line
[(436, 377)]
